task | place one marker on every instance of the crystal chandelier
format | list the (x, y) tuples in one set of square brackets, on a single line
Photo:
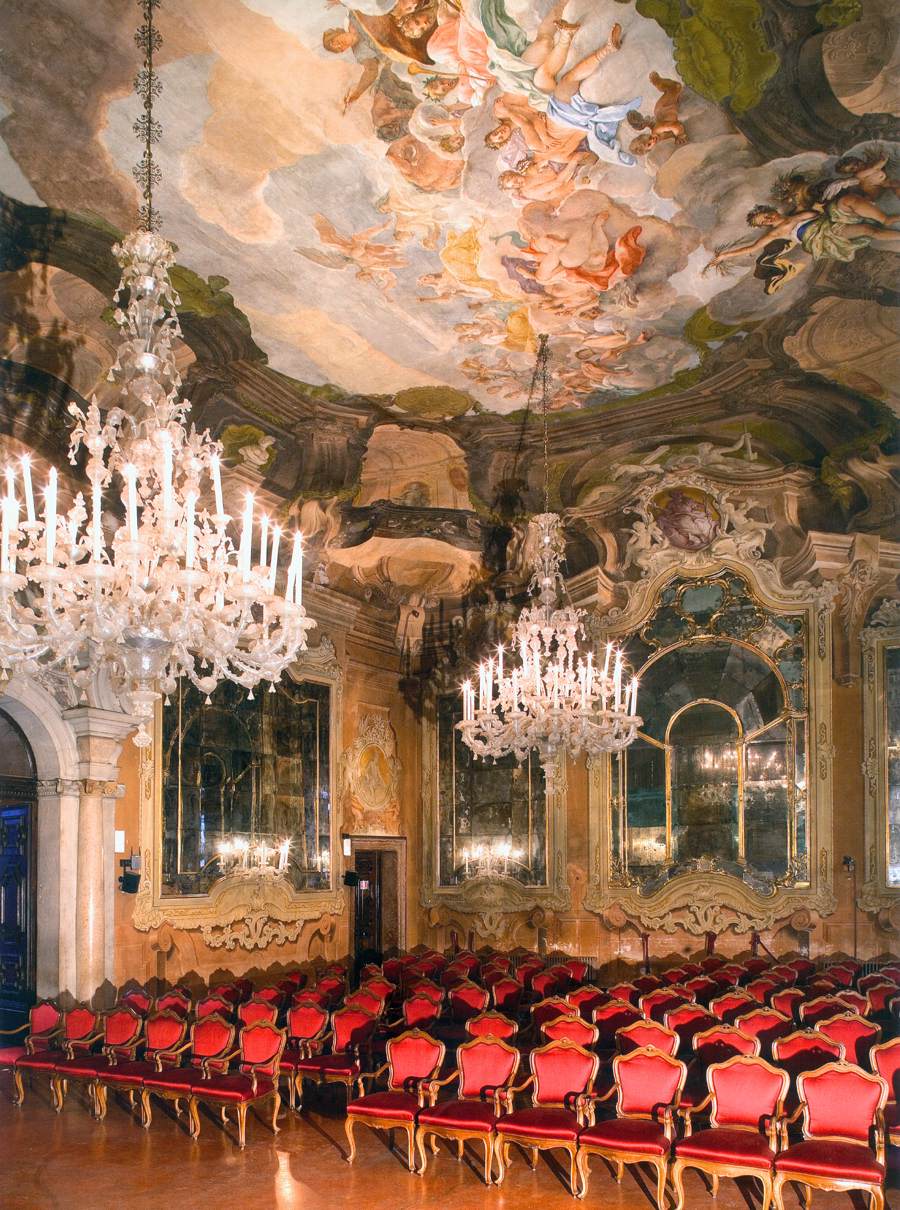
[(492, 859), (141, 575), (238, 855), (549, 695)]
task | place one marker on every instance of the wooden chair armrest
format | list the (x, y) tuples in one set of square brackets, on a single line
[(205, 1063), (432, 1086), (795, 1116), (880, 1132), (161, 1055), (6, 1033), (514, 1088), (688, 1111)]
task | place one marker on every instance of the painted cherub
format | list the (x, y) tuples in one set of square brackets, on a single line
[(665, 123), (373, 262)]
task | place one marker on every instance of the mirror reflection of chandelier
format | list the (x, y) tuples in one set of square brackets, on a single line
[(143, 577), (548, 694), (489, 860), (239, 855)]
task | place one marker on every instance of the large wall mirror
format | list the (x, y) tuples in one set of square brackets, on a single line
[(496, 808), (240, 770), (717, 785), (881, 721)]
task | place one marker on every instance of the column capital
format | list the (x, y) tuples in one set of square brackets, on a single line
[(57, 787), (98, 736)]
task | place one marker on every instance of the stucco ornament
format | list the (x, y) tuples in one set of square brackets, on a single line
[(370, 774)]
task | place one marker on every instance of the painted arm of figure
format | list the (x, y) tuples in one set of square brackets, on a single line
[(868, 211), (367, 78), (783, 230)]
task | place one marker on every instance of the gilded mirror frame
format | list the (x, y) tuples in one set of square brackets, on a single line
[(880, 636), (710, 899), (243, 911)]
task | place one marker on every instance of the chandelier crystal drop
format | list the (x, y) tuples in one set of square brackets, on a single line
[(140, 575), (548, 694)]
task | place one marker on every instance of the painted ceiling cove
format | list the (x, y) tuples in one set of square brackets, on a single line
[(378, 208)]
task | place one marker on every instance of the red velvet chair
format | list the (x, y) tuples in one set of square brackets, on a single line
[(576, 1029), (485, 1068), (628, 993), (880, 995), (761, 989), (549, 1010), (890, 971), (687, 1020), (416, 1012), (885, 1062), (843, 972), (175, 1000), (648, 1084), (363, 998), (803, 1050), (842, 1109), (655, 1005), (507, 994), (544, 985), (730, 1005), (425, 987), (578, 970), (642, 1034), (214, 1005), (713, 1045), (585, 999), (787, 1000), (257, 1009), (492, 1025), (804, 968), (646, 983), (702, 988), (561, 1073), (413, 1060), (765, 1024), (138, 999), (381, 987), (746, 1104), (120, 1037), (256, 1079), (79, 1032), (609, 1019), (675, 974), (164, 1033), (307, 1025), (207, 1050), (560, 973), (786, 975), (40, 1032), (467, 1000), (756, 966), (352, 1030), (712, 962), (854, 1033), (468, 962), (231, 992), (332, 986), (820, 1008), (856, 1002)]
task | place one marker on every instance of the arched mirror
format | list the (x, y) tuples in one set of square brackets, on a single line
[(704, 741)]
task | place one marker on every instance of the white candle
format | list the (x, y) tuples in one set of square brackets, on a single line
[(96, 526), (50, 517), (294, 571), (609, 647), (246, 534), (4, 536), (130, 473), (29, 491), (634, 691), (13, 533), (263, 539), (166, 442), (500, 667), (617, 679), (273, 558), (217, 484), (189, 537), (298, 583), (481, 686)]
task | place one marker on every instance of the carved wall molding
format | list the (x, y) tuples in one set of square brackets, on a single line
[(370, 776), (698, 902)]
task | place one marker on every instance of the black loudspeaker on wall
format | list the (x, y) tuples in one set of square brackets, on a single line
[(351, 878)]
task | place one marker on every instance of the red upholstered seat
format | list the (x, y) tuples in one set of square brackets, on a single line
[(627, 1134), (81, 1066), (172, 1079), (541, 1122), (9, 1054), (321, 1064), (402, 1106), (724, 1145), (43, 1060), (129, 1071), (460, 1115), (259, 1064), (235, 1086), (825, 1157)]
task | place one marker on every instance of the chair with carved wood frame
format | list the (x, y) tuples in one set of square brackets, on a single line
[(575, 1028), (856, 1034), (767, 1024), (492, 1025), (787, 1000), (175, 1000), (40, 1032), (856, 1002), (207, 1049), (413, 1060), (713, 1045), (561, 1074), (507, 994), (586, 998), (647, 1085), (78, 1032), (307, 1026), (800, 1051), (842, 1108), (628, 993), (256, 1009), (819, 1009), (369, 1000), (351, 1035), (746, 1106), (120, 1036), (258, 1052), (138, 999), (609, 1019), (214, 1005), (884, 1060), (164, 1033), (641, 1034), (731, 1004), (687, 1020), (655, 1005), (485, 1070), (646, 984)]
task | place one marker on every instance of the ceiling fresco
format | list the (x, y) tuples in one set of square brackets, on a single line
[(379, 207)]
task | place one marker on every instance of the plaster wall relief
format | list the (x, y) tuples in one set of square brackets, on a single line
[(370, 776)]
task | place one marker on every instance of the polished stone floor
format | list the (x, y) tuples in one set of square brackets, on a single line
[(69, 1162)]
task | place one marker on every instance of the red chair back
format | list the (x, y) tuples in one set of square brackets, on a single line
[(306, 1021), (309, 995), (257, 1009), (610, 1018), (746, 1092), (641, 1034), (544, 984), (467, 1000), (425, 987), (560, 1068), (138, 1000), (721, 1042), (626, 992), (787, 1000), (549, 1010), (163, 1031), (380, 986), (577, 968), (884, 1059), (731, 1005), (840, 1102), (79, 1023), (175, 1000), (765, 1024), (712, 962), (262, 1044), (644, 985), (655, 1005), (485, 1063), (121, 1028), (856, 1002), (211, 1039), (413, 1055), (586, 999), (820, 1009), (351, 1028), (702, 988), (880, 994), (213, 1005), (420, 1011), (687, 1020), (274, 994), (805, 1050), (491, 1025), (646, 1080), (854, 1033), (363, 998), (576, 1029), (507, 994), (756, 966), (332, 986), (45, 1017)]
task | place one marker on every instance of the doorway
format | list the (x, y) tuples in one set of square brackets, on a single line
[(379, 898), (18, 799)]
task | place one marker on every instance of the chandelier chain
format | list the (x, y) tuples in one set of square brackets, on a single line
[(147, 128)]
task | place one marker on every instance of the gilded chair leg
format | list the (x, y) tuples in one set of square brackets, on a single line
[(298, 1092), (348, 1128), (583, 1160), (766, 1181), (678, 1184), (57, 1093), (223, 1114), (501, 1156), (19, 1086), (573, 1170), (242, 1124), (177, 1103), (714, 1182), (807, 1195), (194, 1118), (620, 1171), (434, 1145), (534, 1158), (877, 1198), (420, 1146), (146, 1111), (276, 1109), (410, 1145), (101, 1100), (488, 1159), (777, 1190), (460, 1149), (661, 1174)]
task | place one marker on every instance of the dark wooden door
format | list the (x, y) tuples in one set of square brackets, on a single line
[(16, 902), (367, 914)]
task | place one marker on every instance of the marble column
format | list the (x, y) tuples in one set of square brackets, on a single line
[(57, 853)]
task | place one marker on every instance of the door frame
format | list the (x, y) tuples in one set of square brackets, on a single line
[(383, 844), (18, 792)]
